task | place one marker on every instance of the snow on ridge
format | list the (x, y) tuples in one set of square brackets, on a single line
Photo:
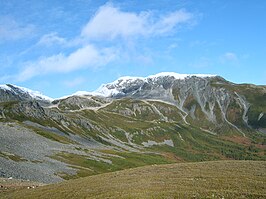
[(112, 88), (179, 76), (109, 89), (82, 93), (78, 93), (127, 79), (33, 94), (105, 92), (5, 87)]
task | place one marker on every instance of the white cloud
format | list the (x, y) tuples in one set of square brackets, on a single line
[(110, 22), (87, 56), (172, 47), (51, 39), (229, 56), (169, 22), (11, 30)]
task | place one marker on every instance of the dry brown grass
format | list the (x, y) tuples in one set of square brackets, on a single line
[(217, 179), (243, 141)]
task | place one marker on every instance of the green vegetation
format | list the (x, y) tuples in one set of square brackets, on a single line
[(255, 95), (121, 160), (218, 179), (10, 156), (73, 103), (140, 122), (53, 136)]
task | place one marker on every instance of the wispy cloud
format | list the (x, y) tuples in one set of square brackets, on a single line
[(171, 21), (110, 22), (51, 39), (11, 30), (229, 57), (87, 56)]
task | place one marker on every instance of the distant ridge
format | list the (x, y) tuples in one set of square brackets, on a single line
[(18, 90)]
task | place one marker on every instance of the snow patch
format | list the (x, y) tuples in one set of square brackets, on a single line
[(33, 94), (5, 87), (260, 116), (151, 143), (179, 76), (106, 92), (78, 93), (115, 87)]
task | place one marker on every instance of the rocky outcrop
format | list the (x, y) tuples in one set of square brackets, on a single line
[(10, 92), (176, 115)]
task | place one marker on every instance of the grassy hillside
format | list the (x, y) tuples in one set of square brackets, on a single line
[(194, 121), (129, 133), (217, 179)]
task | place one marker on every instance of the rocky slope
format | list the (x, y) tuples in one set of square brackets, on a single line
[(131, 122), (212, 179), (10, 92)]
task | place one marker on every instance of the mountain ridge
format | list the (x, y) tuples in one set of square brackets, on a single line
[(102, 91), (99, 91), (156, 120), (18, 90)]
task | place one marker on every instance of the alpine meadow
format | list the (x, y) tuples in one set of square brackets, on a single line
[(122, 99)]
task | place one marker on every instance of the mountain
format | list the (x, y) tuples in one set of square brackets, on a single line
[(131, 86), (133, 121), (182, 180), (11, 92)]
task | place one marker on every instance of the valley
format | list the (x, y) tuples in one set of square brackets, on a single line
[(167, 119), (213, 179)]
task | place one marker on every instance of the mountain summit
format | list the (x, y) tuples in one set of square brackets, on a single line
[(124, 84), (13, 92), (130, 122)]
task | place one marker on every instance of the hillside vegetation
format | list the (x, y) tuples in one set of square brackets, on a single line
[(214, 179), (137, 122)]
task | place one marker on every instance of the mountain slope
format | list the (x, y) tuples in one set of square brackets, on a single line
[(221, 179), (132, 122), (197, 95), (10, 92)]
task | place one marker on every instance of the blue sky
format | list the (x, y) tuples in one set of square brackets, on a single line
[(59, 47)]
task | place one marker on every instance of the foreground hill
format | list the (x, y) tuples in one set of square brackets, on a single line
[(218, 179), (131, 122)]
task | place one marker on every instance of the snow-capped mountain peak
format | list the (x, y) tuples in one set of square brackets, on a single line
[(5, 87), (119, 87), (179, 76), (18, 90), (124, 83)]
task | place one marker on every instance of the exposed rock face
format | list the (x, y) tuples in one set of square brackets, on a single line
[(10, 92), (80, 102), (195, 96), (187, 114), (186, 94)]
